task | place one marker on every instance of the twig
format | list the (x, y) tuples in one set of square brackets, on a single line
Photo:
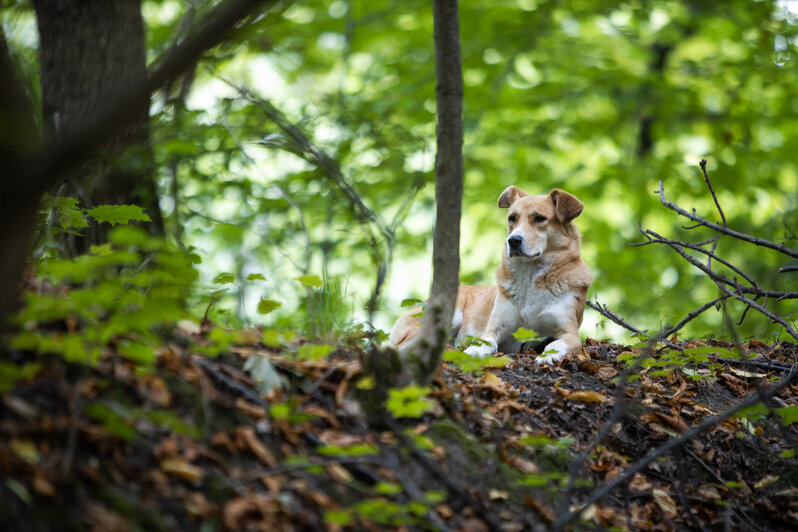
[(703, 165), (788, 269), (606, 312), (761, 309), (679, 246), (725, 230), (676, 443)]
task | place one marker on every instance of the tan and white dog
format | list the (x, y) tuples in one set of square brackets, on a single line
[(541, 283)]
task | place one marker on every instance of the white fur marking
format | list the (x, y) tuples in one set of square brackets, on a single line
[(558, 350), (457, 319), (481, 350)]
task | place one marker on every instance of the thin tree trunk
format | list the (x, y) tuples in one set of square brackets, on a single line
[(427, 347), (91, 51)]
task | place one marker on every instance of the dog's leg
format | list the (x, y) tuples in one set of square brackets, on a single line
[(503, 319), (560, 347)]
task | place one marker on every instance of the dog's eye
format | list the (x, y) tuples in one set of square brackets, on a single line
[(512, 218), (539, 219)]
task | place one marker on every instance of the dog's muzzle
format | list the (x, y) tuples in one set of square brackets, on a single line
[(515, 244)]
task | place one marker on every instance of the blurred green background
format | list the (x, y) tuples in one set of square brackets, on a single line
[(600, 98)]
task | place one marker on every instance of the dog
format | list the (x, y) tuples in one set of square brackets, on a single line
[(541, 283)]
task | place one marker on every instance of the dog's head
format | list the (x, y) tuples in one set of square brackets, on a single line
[(536, 224)]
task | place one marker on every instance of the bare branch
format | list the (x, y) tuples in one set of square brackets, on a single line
[(703, 165), (725, 230)]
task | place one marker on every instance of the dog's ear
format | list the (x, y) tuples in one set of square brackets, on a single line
[(566, 206), (509, 196)]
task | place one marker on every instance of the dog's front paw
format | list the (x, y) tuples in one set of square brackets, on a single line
[(480, 350), (553, 353)]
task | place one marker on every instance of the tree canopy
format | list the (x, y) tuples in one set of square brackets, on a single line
[(602, 99)]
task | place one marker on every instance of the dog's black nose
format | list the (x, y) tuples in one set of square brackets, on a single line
[(515, 241)]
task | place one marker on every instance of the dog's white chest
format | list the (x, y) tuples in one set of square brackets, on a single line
[(540, 309)]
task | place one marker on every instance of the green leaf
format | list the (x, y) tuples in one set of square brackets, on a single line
[(310, 281), (474, 364), (314, 352), (410, 401), (358, 449), (525, 335), (70, 215), (267, 305), (411, 302), (224, 278), (339, 517), (789, 414), (256, 277), (137, 352), (10, 374), (118, 214)]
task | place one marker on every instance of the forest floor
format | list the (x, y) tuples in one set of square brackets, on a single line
[(190, 444)]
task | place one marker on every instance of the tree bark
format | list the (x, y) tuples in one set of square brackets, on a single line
[(425, 350), (19, 137), (91, 51)]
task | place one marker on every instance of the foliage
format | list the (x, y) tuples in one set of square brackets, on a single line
[(409, 401), (601, 98), (120, 292)]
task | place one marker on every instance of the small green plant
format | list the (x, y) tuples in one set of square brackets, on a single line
[(119, 293), (410, 401)]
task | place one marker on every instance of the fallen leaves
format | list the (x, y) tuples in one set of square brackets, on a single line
[(585, 396)]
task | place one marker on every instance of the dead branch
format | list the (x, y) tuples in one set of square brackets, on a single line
[(781, 248), (678, 246)]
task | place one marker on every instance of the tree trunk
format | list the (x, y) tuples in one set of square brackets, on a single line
[(18, 139), (91, 52), (426, 349)]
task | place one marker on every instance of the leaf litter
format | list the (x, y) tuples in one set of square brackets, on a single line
[(199, 442)]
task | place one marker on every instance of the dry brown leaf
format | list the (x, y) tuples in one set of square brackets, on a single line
[(339, 472), (606, 373), (257, 446), (639, 483), (444, 511), (222, 439), (154, 389), (665, 503), (251, 409), (489, 381), (42, 485), (747, 374), (238, 510), (584, 396), (522, 464), (181, 468), (340, 439), (709, 492), (541, 509)]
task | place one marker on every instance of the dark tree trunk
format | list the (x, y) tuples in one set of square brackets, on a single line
[(427, 347), (91, 52), (18, 139)]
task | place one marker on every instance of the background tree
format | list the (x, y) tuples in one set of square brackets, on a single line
[(90, 53)]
